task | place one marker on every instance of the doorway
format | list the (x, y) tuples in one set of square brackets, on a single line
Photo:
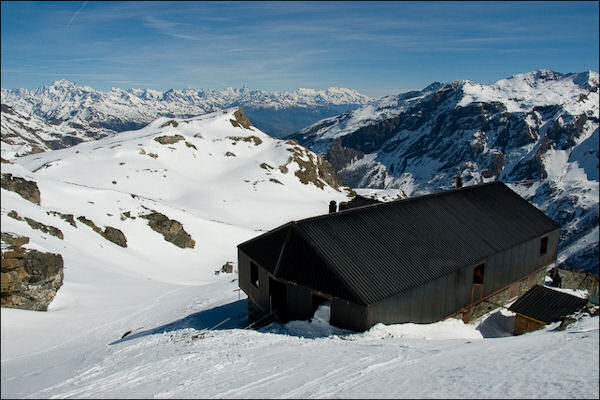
[(277, 298)]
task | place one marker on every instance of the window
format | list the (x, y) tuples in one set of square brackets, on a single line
[(254, 274), (478, 273), (544, 245)]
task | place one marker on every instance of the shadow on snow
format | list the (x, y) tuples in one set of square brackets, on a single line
[(235, 316), (237, 312)]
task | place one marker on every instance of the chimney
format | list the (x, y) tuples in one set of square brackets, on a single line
[(332, 206), (458, 182)]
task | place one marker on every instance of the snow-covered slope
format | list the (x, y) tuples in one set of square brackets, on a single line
[(210, 164), (536, 131), (121, 109), (225, 184), (23, 134)]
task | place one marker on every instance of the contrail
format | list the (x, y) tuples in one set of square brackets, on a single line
[(76, 14)]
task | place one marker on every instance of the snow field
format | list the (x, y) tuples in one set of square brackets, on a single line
[(170, 298)]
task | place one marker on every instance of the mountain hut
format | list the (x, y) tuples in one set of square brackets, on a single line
[(457, 253)]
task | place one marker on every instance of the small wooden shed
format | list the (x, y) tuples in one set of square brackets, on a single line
[(542, 305)]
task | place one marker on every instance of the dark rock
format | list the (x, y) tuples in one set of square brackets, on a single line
[(7, 109), (316, 170), (66, 217), (169, 139), (566, 321), (26, 189), (44, 228), (173, 123), (30, 278), (171, 230), (89, 223), (578, 280), (14, 215), (255, 139), (115, 235), (340, 156), (240, 119), (111, 234)]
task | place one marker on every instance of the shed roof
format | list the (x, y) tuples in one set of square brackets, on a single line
[(547, 305), (369, 253)]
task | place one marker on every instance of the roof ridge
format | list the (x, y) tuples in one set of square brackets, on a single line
[(282, 250), (277, 228), (394, 202)]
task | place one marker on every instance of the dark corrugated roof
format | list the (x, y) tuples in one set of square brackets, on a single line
[(266, 248), (547, 305), (377, 251)]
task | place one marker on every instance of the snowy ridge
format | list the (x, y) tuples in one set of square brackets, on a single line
[(536, 131), (542, 87), (120, 109), (25, 134)]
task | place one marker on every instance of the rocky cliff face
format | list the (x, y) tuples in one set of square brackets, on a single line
[(536, 131), (30, 278)]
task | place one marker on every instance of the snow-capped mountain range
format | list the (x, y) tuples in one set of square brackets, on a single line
[(277, 113), (537, 131)]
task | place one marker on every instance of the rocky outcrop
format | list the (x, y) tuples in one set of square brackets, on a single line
[(340, 156), (171, 230), (111, 234), (30, 278), (44, 228), (240, 119), (172, 123), (578, 281), (24, 188), (169, 139), (313, 168), (66, 217), (115, 235), (254, 139)]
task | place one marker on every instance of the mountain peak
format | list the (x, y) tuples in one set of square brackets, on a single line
[(63, 83)]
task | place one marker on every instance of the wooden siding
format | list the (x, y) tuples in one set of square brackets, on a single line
[(524, 325)]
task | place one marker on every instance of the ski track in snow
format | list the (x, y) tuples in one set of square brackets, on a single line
[(238, 364)]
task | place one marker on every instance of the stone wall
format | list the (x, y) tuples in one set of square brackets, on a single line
[(504, 296)]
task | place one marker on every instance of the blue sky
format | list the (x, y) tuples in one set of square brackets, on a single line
[(376, 48)]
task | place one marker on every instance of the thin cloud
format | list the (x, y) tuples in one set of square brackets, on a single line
[(159, 24)]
